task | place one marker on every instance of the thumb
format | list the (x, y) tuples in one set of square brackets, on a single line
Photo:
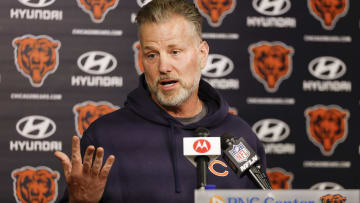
[(65, 162)]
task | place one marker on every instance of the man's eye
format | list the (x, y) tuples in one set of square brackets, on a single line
[(150, 56), (175, 52)]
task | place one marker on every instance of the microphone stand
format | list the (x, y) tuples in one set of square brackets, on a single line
[(201, 171), (201, 161)]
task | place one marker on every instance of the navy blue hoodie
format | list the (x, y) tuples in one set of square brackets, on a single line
[(147, 144)]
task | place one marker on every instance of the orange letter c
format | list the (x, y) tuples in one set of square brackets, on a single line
[(212, 170)]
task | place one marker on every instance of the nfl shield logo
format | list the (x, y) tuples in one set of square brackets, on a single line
[(240, 153)]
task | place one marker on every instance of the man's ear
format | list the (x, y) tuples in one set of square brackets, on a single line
[(204, 52)]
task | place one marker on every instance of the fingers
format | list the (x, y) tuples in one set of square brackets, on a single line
[(65, 162), (107, 167), (98, 161), (87, 166), (88, 157), (75, 154)]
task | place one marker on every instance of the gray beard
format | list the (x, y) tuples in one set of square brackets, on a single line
[(177, 99)]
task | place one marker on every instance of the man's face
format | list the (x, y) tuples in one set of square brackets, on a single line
[(173, 56)]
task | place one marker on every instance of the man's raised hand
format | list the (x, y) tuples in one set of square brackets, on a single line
[(85, 179)]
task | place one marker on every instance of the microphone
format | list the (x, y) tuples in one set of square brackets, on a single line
[(243, 160), (200, 150), (201, 161)]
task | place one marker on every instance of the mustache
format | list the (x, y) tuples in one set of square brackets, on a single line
[(167, 77)]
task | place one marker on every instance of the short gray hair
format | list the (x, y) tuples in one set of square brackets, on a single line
[(160, 10)]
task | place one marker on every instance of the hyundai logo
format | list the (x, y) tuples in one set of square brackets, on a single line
[(327, 68), (36, 127), (37, 3), (271, 130), (217, 66), (97, 62), (272, 7)]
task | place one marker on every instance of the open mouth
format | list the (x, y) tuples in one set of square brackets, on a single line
[(168, 82)]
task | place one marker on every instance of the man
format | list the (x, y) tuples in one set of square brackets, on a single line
[(146, 135)]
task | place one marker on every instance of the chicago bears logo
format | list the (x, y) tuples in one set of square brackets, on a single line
[(97, 9), (87, 112), (213, 166), (35, 184), (215, 10), (271, 63), (328, 12), (333, 198), (138, 57), (36, 57), (279, 178), (326, 127)]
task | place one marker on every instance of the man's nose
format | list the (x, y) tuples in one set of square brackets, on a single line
[(164, 63)]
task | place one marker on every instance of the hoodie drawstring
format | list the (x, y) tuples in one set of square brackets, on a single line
[(174, 158)]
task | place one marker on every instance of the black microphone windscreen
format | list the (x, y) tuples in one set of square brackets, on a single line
[(225, 139), (202, 132)]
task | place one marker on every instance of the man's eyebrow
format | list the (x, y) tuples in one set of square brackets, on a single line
[(148, 47), (172, 45)]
